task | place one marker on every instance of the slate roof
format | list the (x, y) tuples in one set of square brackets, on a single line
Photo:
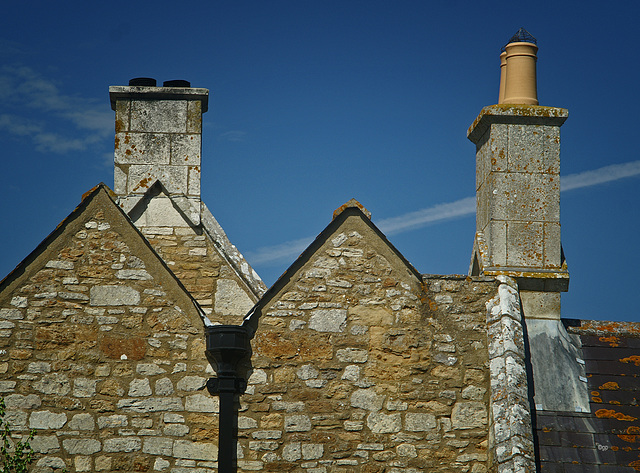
[(607, 439)]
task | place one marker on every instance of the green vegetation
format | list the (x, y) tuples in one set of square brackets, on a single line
[(16, 455)]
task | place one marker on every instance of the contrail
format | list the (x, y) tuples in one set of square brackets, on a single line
[(460, 208)]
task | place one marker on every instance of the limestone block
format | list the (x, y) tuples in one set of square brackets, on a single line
[(149, 369), (419, 422), (552, 245), (195, 450), (267, 434), (193, 181), (112, 421), (158, 446), (164, 387), (307, 372), (185, 149), (352, 355), (84, 387), (263, 445), (45, 444), (11, 314), (143, 176), (139, 388), (496, 233), (534, 149), (16, 419), (81, 446), (247, 423), (312, 451), (176, 430), (524, 244), (19, 401), (6, 386), (380, 423), (468, 415), (150, 404), (367, 399), (230, 299), (525, 197), (134, 274), (328, 320), (202, 403), (47, 420), (159, 116), (194, 116), (297, 423), (142, 148), (82, 422), (51, 462), (113, 296), (292, 452), (119, 180), (123, 444), (161, 464), (191, 383), (351, 373)]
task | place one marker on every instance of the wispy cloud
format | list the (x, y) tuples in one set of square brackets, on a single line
[(233, 135), (284, 252), (23, 90), (601, 175), (287, 251), (420, 218)]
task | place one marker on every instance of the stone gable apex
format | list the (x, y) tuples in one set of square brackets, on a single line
[(347, 219), (100, 200)]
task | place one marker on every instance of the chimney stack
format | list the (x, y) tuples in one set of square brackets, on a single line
[(158, 138), (518, 186), (518, 70)]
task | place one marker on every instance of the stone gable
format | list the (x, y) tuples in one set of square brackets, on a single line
[(360, 366), (102, 352)]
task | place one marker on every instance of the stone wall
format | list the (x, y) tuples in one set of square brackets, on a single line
[(102, 353), (358, 365)]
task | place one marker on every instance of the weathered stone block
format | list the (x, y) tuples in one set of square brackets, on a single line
[(158, 446), (469, 415), (159, 116), (82, 422), (81, 446), (125, 444), (113, 296), (419, 422), (297, 423), (195, 450), (380, 423), (328, 320), (47, 420), (230, 299)]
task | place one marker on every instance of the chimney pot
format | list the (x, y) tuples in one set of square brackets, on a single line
[(176, 83), (142, 82)]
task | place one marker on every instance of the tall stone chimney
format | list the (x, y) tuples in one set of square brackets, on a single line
[(158, 142), (518, 185)]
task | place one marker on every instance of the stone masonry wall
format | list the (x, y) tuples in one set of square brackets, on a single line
[(191, 256), (104, 364), (360, 367)]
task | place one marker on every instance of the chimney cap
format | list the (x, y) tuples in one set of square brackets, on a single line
[(521, 36), (142, 82), (176, 83)]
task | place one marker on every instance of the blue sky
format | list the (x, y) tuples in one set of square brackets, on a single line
[(313, 103)]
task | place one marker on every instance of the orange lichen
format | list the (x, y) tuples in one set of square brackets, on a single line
[(613, 341), (635, 359), (596, 399), (610, 385), (635, 465), (612, 414), (595, 393)]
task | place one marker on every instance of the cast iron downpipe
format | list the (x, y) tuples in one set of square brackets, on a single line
[(227, 346)]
